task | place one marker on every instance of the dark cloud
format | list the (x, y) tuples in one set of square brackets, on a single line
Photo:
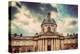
[(43, 9), (73, 22), (12, 10), (40, 10), (36, 7), (72, 10)]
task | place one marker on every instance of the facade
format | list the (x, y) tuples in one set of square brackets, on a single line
[(47, 40)]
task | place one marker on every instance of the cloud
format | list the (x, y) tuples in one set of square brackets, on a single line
[(41, 8), (27, 19), (66, 25), (73, 22), (26, 22)]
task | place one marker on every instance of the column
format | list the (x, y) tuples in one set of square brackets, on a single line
[(46, 45), (62, 44), (43, 45), (57, 44), (52, 44), (40, 45)]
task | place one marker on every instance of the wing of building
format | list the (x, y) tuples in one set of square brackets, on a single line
[(47, 40)]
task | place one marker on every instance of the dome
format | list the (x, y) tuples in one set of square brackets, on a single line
[(49, 24), (48, 21)]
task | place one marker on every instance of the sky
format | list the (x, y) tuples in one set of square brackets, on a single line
[(26, 17)]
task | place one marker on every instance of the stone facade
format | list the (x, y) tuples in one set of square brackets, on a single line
[(47, 40)]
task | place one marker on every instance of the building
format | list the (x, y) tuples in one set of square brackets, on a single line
[(47, 40)]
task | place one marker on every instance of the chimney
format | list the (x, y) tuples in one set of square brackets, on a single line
[(15, 34), (20, 35)]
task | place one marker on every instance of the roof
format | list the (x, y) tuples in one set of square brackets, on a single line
[(48, 21)]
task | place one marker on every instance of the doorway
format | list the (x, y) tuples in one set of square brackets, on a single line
[(49, 45)]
